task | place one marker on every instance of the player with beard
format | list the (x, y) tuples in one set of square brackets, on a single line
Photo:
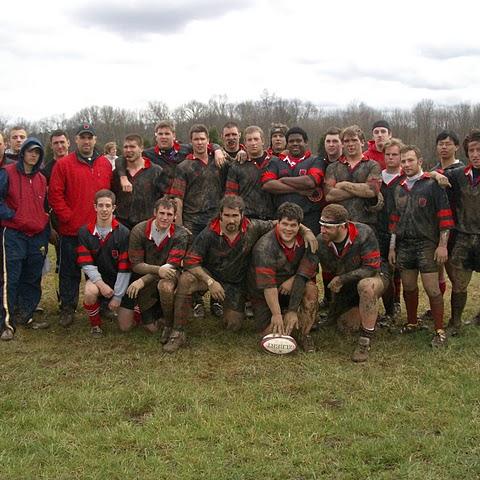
[(349, 252), (275, 260), (231, 141), (296, 177), (420, 225), (381, 133), (217, 261)]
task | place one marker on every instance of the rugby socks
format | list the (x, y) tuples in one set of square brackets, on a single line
[(436, 306), (442, 286), (411, 304), (457, 303), (397, 282), (366, 332), (183, 310), (137, 315), (93, 312)]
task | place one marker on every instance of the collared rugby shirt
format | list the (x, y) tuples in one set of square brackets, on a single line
[(421, 212), (387, 190), (109, 255), (365, 171), (227, 261), (245, 180)]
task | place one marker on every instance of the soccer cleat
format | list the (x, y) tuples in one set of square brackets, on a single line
[(96, 331), (177, 339), (360, 354), (410, 328), (67, 316), (216, 309), (37, 324), (7, 335), (198, 310), (439, 340), (164, 337)]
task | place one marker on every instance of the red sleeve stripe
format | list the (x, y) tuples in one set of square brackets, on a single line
[(264, 271), (444, 213), (446, 224), (372, 254), (268, 176), (123, 256), (192, 260), (82, 248), (265, 277), (316, 174), (231, 188), (307, 269), (375, 265)]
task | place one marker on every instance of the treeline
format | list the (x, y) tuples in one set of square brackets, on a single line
[(418, 125)]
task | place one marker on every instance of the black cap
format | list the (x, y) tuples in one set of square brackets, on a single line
[(381, 123), (86, 128)]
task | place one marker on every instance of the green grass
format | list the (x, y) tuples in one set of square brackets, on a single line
[(76, 407)]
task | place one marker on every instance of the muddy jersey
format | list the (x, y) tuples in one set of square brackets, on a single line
[(143, 249), (109, 255), (358, 259), (387, 190), (149, 184), (273, 262), (365, 171), (466, 192), (244, 180), (201, 187), (293, 167), (226, 260), (420, 212)]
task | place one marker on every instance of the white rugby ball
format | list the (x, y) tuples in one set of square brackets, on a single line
[(278, 344)]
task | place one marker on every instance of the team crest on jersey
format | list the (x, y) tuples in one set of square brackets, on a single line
[(422, 202), (115, 254), (302, 171)]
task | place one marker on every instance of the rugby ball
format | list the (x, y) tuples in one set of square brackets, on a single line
[(278, 344)]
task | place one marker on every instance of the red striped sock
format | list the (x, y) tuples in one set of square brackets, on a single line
[(93, 312)]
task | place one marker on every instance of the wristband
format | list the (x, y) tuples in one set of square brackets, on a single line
[(210, 282)]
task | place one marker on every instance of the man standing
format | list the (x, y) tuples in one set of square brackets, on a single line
[(278, 140), (74, 182), (332, 145), (244, 179), (59, 144), (156, 250), (102, 254), (275, 260), (295, 177), (4, 160), (420, 225), (25, 235), (148, 180), (16, 137), (218, 261), (349, 253), (381, 133), (231, 140), (354, 181)]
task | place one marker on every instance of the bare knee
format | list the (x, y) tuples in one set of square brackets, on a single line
[(166, 287), (187, 283), (91, 293), (366, 288)]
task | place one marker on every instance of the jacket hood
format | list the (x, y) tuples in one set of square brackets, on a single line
[(27, 144)]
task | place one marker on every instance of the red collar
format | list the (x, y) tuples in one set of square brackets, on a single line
[(176, 148), (351, 236), (215, 227), (263, 162), (149, 226), (91, 226), (293, 161), (289, 251), (425, 175)]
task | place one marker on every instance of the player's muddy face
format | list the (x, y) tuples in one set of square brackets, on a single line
[(411, 165), (474, 154), (131, 151), (231, 139), (165, 138), (230, 220), (333, 145), (288, 230), (164, 217), (296, 145), (254, 145), (352, 146)]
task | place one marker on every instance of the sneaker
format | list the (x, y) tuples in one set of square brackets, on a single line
[(7, 335), (216, 309), (176, 340), (410, 327), (37, 324), (439, 340), (67, 316), (360, 354), (164, 337), (198, 311), (249, 310), (96, 331), (307, 344), (385, 321)]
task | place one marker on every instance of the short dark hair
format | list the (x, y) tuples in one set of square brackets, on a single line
[(290, 211), (352, 131), (297, 131), (198, 128), (165, 202), (444, 134), (105, 193), (231, 124), (411, 148), (337, 213), (473, 136), (333, 131), (134, 137), (165, 124), (58, 133), (232, 201)]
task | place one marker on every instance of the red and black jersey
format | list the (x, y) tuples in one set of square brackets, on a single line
[(273, 262), (466, 193), (421, 212), (143, 249), (292, 167), (227, 261), (245, 180), (365, 171), (358, 259), (387, 190), (149, 184), (201, 187), (109, 255)]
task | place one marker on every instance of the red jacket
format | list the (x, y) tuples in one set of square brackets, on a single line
[(72, 189), (373, 154)]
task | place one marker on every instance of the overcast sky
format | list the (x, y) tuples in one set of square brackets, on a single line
[(60, 56)]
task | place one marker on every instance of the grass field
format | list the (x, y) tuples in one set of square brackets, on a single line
[(76, 407)]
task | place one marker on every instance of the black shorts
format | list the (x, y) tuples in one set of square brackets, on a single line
[(417, 254), (466, 252)]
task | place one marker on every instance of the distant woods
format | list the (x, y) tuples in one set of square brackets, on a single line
[(418, 125)]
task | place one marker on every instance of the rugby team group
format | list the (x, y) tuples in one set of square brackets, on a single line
[(253, 223)]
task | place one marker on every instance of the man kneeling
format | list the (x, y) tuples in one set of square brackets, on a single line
[(102, 253), (275, 260), (349, 253)]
